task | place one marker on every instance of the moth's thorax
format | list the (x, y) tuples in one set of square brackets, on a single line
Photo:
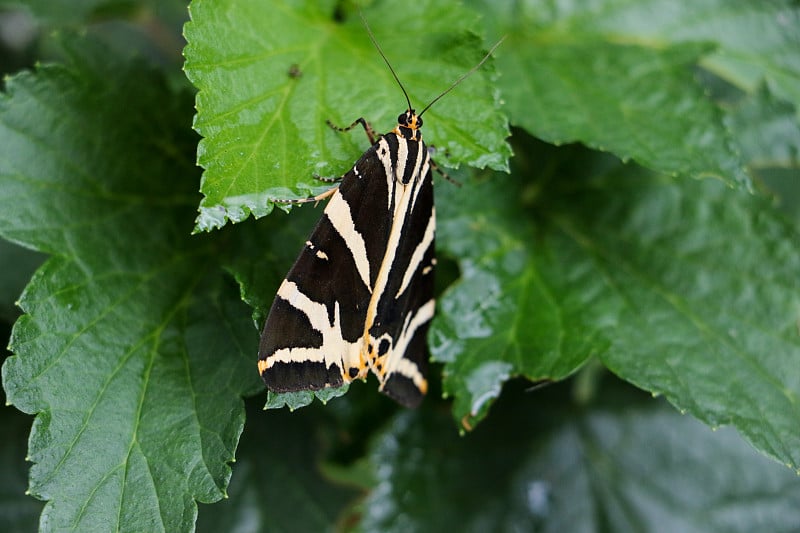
[(408, 125)]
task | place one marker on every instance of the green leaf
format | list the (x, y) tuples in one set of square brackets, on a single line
[(270, 74), (279, 484), (688, 290), (755, 41), (296, 400), (134, 349), (768, 131), (641, 104), (618, 75), (518, 309), (539, 466)]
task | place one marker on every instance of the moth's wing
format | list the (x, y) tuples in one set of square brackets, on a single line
[(397, 347), (313, 336)]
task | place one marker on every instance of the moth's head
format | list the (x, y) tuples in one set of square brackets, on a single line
[(408, 125)]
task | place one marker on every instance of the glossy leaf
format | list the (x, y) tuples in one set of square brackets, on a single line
[(640, 104), (538, 466), (621, 76), (687, 290), (135, 340), (130, 338), (755, 41)]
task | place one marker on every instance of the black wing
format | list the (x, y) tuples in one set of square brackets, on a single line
[(313, 336)]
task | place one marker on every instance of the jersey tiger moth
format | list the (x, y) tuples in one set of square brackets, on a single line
[(359, 298)]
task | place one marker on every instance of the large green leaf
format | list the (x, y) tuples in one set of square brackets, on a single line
[(688, 290), (755, 41), (638, 103), (540, 466), (132, 349), (617, 75), (270, 74)]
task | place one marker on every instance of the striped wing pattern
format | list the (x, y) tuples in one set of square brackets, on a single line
[(360, 295)]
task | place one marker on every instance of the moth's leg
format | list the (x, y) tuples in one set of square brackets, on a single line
[(327, 194), (444, 174), (327, 179), (367, 128), (318, 198)]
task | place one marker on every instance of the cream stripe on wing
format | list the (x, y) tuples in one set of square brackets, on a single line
[(385, 156), (396, 362), (421, 168), (335, 350), (408, 195), (418, 255), (338, 212), (382, 279), (402, 159)]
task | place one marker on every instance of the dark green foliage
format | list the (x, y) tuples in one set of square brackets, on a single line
[(636, 233)]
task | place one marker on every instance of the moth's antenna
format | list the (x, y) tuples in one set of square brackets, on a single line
[(465, 75), (372, 38)]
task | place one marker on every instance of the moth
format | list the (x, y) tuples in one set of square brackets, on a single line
[(359, 298)]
